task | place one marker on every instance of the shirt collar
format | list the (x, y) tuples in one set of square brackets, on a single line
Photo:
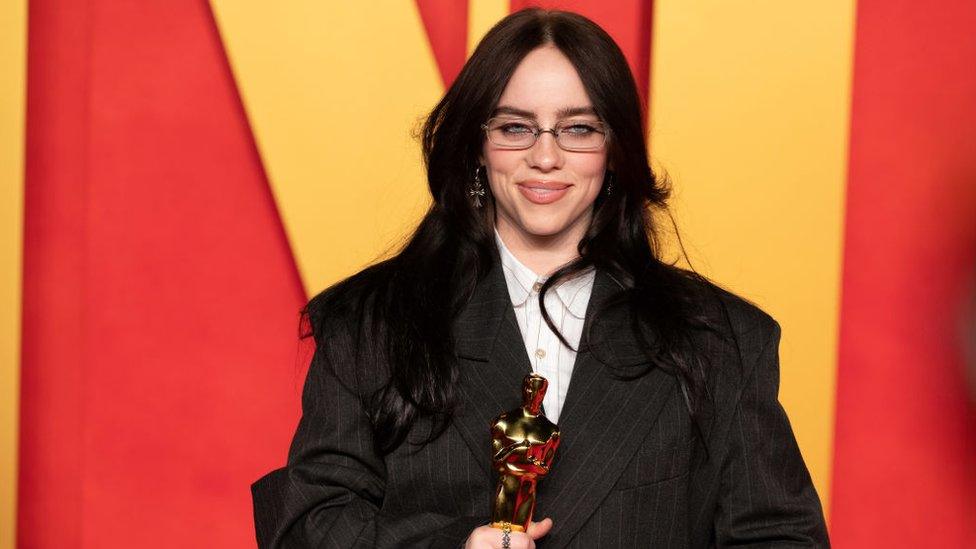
[(573, 293)]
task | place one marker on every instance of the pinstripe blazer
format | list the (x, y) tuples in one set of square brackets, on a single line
[(629, 471)]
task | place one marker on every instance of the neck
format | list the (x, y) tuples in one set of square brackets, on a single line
[(543, 253)]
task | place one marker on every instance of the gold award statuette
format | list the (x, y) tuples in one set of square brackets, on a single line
[(523, 445)]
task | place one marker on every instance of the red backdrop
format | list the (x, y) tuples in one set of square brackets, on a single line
[(161, 299)]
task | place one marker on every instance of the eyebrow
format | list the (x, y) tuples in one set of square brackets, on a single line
[(561, 113)]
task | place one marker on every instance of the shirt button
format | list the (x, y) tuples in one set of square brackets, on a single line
[(536, 287), (540, 353)]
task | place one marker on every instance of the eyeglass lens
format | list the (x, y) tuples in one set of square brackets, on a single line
[(576, 135)]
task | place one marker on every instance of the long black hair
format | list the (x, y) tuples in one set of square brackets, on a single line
[(408, 303)]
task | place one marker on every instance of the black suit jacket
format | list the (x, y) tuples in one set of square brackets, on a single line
[(629, 472)]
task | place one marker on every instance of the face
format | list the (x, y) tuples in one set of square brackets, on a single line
[(544, 192)]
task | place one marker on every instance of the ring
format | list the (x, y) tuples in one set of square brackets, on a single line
[(506, 538)]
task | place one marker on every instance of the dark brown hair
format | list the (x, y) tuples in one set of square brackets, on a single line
[(408, 302)]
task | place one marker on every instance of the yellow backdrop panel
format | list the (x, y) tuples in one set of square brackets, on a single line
[(333, 91), (749, 110), (13, 75)]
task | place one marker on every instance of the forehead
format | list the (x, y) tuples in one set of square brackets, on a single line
[(545, 84)]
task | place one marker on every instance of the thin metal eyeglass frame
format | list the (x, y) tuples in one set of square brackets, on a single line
[(538, 132)]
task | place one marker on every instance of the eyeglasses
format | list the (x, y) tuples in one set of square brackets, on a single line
[(571, 135)]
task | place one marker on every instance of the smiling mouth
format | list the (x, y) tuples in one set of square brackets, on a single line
[(543, 192)]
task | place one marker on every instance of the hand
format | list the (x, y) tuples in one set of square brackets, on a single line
[(486, 537)]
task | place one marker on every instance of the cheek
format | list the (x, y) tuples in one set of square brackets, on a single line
[(501, 168), (592, 171)]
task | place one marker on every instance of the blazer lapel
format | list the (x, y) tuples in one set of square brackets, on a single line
[(492, 363), (604, 419)]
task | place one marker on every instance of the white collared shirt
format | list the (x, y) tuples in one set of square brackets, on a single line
[(566, 304)]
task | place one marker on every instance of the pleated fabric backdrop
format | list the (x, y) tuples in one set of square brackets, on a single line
[(171, 196)]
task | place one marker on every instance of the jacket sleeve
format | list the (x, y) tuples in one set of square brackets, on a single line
[(767, 498), (331, 492)]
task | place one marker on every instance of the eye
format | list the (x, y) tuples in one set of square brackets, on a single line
[(580, 128), (515, 128)]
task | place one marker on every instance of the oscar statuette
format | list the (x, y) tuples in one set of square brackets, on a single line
[(523, 444)]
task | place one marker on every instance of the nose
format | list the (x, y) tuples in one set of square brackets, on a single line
[(545, 153)]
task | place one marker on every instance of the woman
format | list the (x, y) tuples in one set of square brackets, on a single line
[(539, 254)]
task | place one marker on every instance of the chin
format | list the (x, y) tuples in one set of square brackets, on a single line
[(544, 228)]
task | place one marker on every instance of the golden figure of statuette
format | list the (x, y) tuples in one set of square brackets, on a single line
[(523, 445)]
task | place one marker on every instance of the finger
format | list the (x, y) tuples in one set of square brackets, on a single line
[(484, 537), (538, 529), (521, 541)]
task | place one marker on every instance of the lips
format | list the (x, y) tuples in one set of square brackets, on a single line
[(543, 192)]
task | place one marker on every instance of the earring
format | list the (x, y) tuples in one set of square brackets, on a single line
[(609, 188), (477, 190)]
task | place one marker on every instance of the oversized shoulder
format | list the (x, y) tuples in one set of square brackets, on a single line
[(738, 330), (344, 309), (341, 318), (743, 340), (743, 319)]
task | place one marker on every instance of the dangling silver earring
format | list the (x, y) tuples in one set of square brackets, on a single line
[(477, 190), (609, 183)]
